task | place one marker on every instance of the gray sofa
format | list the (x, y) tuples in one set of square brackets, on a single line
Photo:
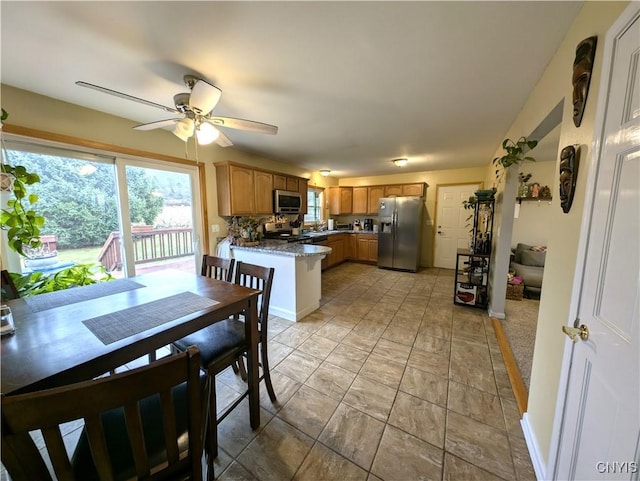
[(529, 265)]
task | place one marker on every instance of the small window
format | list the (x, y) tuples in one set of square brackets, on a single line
[(314, 205)]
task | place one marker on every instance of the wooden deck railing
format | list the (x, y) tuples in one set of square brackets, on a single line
[(148, 246)]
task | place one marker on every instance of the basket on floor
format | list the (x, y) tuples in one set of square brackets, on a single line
[(515, 291)]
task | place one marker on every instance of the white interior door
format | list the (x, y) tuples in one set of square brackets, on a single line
[(600, 434), (452, 226)]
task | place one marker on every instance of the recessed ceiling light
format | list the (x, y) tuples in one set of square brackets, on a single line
[(400, 162)]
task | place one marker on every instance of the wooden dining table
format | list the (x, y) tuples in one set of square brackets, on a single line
[(78, 334)]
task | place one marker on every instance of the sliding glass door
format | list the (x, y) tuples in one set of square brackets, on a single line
[(127, 215), (163, 234)]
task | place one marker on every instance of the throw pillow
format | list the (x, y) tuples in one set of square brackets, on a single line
[(532, 258)]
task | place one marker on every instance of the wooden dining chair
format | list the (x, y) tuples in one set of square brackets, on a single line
[(217, 268), (9, 289), (223, 344), (145, 423)]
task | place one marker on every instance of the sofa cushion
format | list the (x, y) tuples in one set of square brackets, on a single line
[(517, 255), (532, 258), (531, 275)]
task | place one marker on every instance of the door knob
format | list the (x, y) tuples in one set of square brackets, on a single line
[(576, 333)]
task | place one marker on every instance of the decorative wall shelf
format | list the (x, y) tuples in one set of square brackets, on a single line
[(529, 199)]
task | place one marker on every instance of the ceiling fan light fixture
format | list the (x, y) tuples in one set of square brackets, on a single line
[(206, 133), (184, 129), (400, 162), (325, 172)]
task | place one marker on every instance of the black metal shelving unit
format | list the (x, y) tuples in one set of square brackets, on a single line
[(471, 287)]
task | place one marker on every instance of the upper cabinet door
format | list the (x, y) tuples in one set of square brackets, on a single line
[(303, 187), (340, 200), (242, 186), (375, 194), (292, 184), (413, 189), (393, 190), (263, 182), (360, 200), (280, 182)]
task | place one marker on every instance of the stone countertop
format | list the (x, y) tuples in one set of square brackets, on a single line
[(282, 248)]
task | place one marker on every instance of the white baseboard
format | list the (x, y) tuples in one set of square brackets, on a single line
[(497, 315), (537, 460)]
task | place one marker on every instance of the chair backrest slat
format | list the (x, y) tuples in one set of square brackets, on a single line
[(136, 438), (169, 426), (57, 452), (98, 443)]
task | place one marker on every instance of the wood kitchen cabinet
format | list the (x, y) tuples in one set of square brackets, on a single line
[(286, 182), (263, 188), (352, 250), (340, 200), (303, 187), (392, 190), (367, 247), (234, 185), (280, 182), (292, 184), (360, 200), (339, 248), (375, 194), (243, 190), (413, 189), (404, 189)]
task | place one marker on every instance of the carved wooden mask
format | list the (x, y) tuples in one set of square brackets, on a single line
[(582, 67), (569, 160)]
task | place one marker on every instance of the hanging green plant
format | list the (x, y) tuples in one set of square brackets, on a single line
[(515, 155), (19, 219)]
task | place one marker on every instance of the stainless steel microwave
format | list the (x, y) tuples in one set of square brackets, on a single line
[(286, 202)]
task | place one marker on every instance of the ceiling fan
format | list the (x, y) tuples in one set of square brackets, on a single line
[(196, 110)]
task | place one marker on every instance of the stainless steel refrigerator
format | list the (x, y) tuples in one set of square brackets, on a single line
[(400, 232)]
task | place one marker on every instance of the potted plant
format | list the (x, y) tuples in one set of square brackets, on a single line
[(515, 155), (18, 217)]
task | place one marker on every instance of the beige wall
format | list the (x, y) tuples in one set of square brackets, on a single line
[(556, 305), (433, 178), (33, 111)]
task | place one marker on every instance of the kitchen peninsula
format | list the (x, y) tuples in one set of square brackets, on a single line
[(297, 288)]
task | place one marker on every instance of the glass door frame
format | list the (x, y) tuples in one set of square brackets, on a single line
[(120, 158), (121, 163)]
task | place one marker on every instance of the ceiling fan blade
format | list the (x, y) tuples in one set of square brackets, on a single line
[(204, 97), (126, 96), (223, 140), (241, 124), (156, 125)]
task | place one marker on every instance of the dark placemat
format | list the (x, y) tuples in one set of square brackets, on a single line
[(50, 300), (118, 325)]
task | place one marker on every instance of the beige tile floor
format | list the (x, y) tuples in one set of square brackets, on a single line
[(388, 380)]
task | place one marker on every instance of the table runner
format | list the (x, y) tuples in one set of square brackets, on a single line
[(50, 300), (118, 325)]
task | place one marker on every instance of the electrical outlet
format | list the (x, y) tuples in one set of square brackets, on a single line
[(215, 228)]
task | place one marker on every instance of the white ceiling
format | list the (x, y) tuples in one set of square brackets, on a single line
[(351, 85)]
